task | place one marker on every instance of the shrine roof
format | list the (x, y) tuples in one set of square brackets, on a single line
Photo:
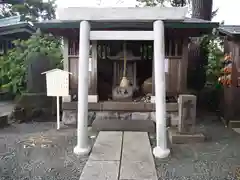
[(230, 30), (122, 13), (125, 19), (12, 26)]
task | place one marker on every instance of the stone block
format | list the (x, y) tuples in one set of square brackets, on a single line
[(187, 114), (66, 98), (234, 124), (92, 98), (153, 118), (123, 106), (3, 120), (123, 125), (137, 159), (137, 170), (141, 116), (69, 117), (34, 105), (100, 170), (107, 146), (177, 138), (174, 116), (134, 150)]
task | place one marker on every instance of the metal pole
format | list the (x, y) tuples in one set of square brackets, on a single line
[(58, 114)]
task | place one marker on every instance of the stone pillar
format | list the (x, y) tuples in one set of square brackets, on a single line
[(187, 114), (161, 150), (186, 132), (83, 65)]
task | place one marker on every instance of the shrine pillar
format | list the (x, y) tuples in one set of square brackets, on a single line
[(83, 147), (161, 150)]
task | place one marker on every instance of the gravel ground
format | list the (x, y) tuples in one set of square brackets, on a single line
[(37, 151), (216, 159)]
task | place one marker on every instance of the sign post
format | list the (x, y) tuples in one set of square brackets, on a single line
[(57, 86)]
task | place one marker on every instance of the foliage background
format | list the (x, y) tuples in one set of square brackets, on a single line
[(14, 63), (30, 10)]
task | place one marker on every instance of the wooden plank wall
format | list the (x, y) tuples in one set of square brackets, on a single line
[(172, 78), (73, 67), (230, 100), (175, 78)]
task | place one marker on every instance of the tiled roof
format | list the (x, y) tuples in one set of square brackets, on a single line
[(230, 30)]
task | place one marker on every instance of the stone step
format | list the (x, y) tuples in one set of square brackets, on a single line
[(115, 121), (123, 125), (120, 156)]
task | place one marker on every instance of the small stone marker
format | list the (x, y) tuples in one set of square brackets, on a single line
[(187, 114), (186, 132), (36, 83)]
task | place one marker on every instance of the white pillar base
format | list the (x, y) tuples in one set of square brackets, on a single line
[(81, 151), (158, 152)]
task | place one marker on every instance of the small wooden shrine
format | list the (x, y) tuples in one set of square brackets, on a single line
[(231, 75), (106, 61), (121, 54)]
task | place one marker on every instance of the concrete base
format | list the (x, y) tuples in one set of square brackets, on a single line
[(177, 138), (69, 118), (158, 152), (81, 151)]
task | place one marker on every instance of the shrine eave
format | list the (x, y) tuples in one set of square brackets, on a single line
[(230, 30), (187, 23), (18, 29)]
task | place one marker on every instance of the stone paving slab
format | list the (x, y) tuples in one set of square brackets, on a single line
[(120, 156), (137, 170), (107, 146), (136, 147), (137, 160), (100, 170)]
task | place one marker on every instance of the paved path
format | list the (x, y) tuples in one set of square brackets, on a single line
[(120, 156)]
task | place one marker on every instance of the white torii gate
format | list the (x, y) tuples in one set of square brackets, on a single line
[(157, 35)]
